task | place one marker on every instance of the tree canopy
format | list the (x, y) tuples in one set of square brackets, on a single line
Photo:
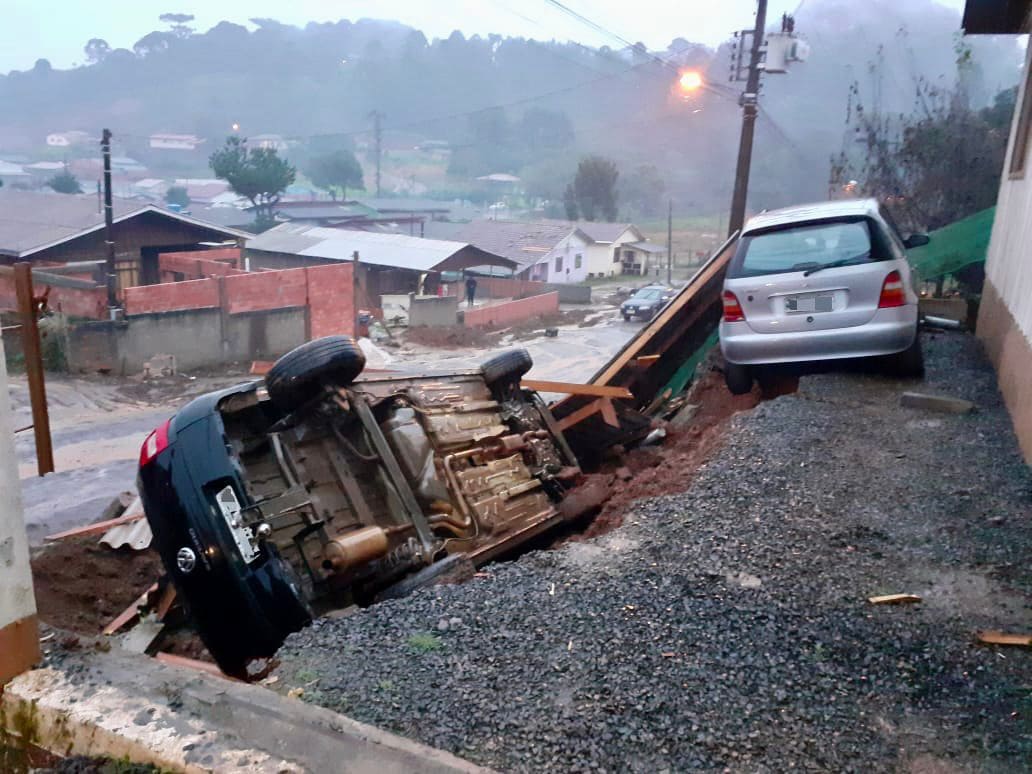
[(335, 171), (177, 194), (257, 174), (65, 182), (594, 189)]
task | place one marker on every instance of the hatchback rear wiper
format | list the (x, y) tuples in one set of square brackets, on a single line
[(835, 264)]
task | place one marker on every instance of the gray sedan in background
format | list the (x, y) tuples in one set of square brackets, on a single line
[(820, 282)]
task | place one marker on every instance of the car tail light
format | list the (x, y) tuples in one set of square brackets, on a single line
[(732, 309), (155, 444), (892, 292)]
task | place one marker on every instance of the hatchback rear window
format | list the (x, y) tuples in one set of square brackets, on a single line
[(803, 247)]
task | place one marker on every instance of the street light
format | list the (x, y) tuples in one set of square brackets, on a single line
[(236, 127), (690, 81)]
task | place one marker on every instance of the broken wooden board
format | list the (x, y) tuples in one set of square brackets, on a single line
[(993, 637), (131, 613), (192, 663), (93, 529), (646, 364), (569, 388), (893, 599)]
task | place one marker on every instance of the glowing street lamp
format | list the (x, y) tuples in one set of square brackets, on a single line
[(690, 81), (236, 127)]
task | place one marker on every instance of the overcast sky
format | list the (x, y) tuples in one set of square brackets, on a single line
[(58, 29)]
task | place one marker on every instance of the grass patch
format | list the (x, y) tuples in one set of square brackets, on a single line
[(424, 642)]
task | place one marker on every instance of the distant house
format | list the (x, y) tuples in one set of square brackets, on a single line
[(13, 173), (555, 250), (271, 141), (616, 248), (526, 243), (184, 142), (54, 229), (395, 263), (203, 190), (67, 139)]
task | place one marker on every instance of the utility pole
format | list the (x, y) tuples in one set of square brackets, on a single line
[(109, 234), (377, 117), (749, 102), (669, 241)]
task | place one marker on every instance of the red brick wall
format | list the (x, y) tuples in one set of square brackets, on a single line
[(266, 290), (513, 311), (499, 287), (75, 302), (172, 296), (197, 264), (331, 302), (327, 290)]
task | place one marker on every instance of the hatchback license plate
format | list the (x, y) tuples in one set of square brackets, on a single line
[(821, 303)]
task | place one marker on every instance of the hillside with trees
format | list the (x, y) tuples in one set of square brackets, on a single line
[(502, 104)]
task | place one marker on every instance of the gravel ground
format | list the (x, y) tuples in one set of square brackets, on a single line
[(727, 627)]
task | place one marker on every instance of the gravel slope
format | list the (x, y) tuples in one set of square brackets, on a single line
[(727, 626)]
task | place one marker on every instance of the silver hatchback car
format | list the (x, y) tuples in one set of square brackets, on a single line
[(819, 282)]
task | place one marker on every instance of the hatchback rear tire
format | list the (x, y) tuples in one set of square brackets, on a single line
[(299, 376), (738, 377), (909, 364)]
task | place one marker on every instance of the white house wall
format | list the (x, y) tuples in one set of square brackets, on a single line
[(1005, 313)]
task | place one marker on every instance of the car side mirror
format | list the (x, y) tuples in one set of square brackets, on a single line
[(916, 240)]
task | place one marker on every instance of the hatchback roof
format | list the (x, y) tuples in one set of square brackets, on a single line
[(800, 213)]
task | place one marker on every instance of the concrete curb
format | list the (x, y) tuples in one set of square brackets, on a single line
[(118, 704)]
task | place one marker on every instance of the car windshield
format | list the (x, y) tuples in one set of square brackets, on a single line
[(803, 248), (647, 294)]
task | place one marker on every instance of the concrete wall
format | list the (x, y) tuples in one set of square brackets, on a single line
[(19, 632), (513, 311), (1005, 314), (196, 337), (433, 311)]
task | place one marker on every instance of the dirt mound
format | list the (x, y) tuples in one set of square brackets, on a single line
[(81, 585), (671, 467)]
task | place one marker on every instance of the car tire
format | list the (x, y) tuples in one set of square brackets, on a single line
[(299, 375), (909, 364), (506, 368), (738, 377), (626, 318)]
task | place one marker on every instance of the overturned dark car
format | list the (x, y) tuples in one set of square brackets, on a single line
[(274, 502)]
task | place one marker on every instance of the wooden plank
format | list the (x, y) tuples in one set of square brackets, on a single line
[(594, 390), (130, 613), (192, 663), (717, 264), (168, 598), (645, 360), (93, 529), (581, 414), (992, 637), (609, 413), (893, 599)]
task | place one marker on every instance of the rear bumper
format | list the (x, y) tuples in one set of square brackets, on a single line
[(888, 332)]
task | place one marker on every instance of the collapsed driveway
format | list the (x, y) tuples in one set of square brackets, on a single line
[(728, 626)]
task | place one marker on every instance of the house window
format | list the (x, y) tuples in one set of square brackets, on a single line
[(616, 255), (1019, 153), (559, 263), (628, 256), (578, 260)]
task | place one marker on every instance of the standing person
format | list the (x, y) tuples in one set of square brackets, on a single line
[(471, 290)]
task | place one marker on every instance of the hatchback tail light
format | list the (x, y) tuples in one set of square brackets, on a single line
[(155, 443), (732, 309), (892, 292)]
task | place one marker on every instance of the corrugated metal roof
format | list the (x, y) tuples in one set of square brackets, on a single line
[(817, 211), (525, 243), (378, 249), (31, 221)]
